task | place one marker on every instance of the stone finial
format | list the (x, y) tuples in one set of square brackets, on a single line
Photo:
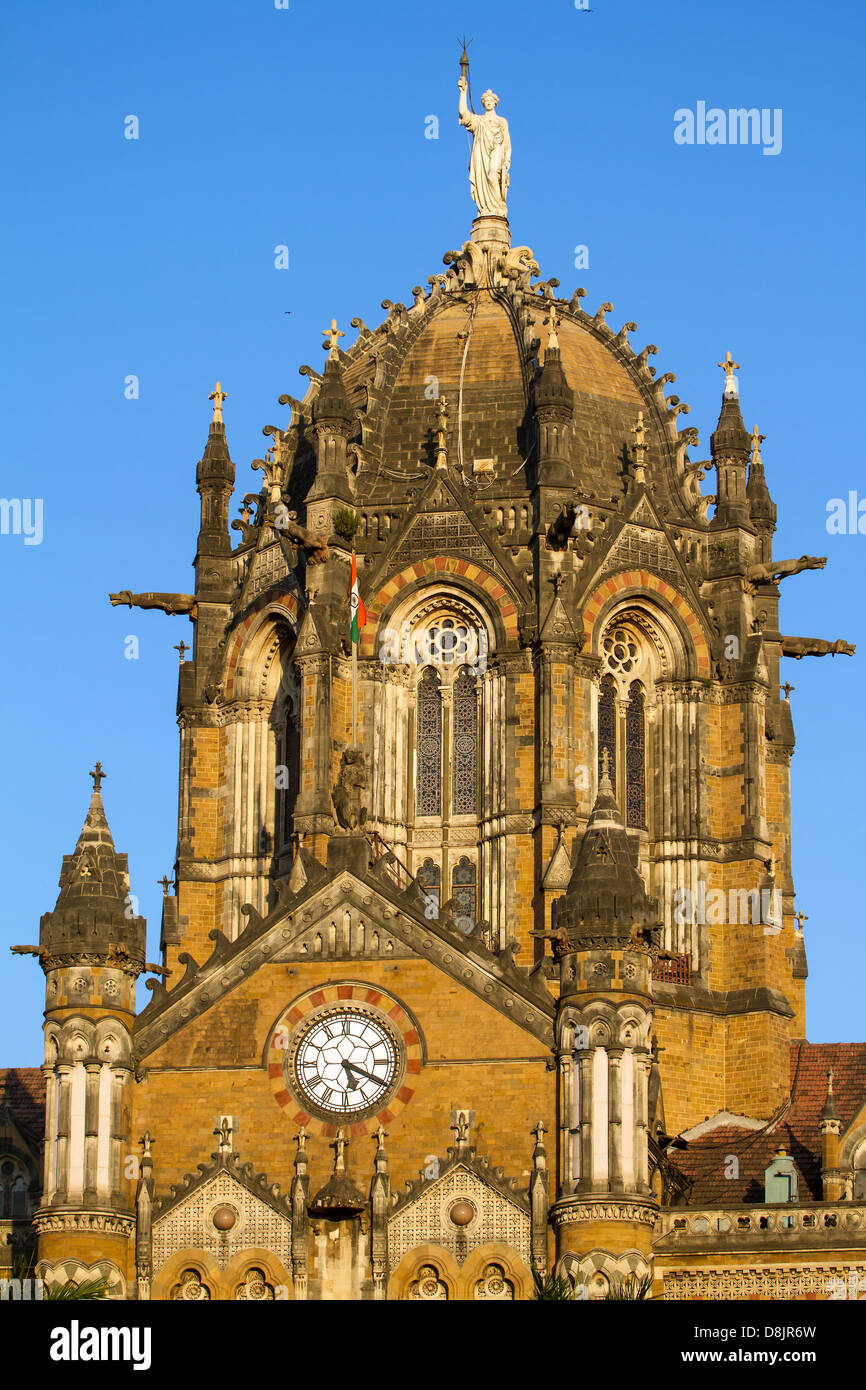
[(460, 1130), (181, 648), (605, 764), (300, 1161), (539, 1153), (757, 441), (146, 1142), (217, 395), (800, 917), (225, 1134), (442, 433), (339, 1146), (98, 777), (729, 366), (788, 687), (332, 346), (553, 321), (640, 448), (165, 883)]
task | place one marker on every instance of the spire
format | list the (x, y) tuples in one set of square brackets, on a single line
[(215, 477), (93, 913), (606, 900), (761, 504), (553, 403), (333, 423), (730, 447), (829, 1112)]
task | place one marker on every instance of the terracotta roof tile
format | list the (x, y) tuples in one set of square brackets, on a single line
[(705, 1161)]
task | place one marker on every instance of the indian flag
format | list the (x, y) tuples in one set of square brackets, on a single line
[(356, 605)]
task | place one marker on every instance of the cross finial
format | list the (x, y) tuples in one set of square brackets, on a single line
[(182, 648), (165, 881), (380, 1137), (217, 395), (332, 334), (757, 441), (98, 777), (539, 1131), (301, 1141), (800, 918), (787, 687), (224, 1130), (729, 366), (146, 1141)]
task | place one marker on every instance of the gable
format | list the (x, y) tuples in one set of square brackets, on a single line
[(424, 1219), (188, 1224)]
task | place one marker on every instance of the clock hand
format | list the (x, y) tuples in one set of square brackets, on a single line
[(350, 1066)]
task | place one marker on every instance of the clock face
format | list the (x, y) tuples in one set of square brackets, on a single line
[(345, 1062)]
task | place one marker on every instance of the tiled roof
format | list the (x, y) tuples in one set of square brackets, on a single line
[(22, 1089), (706, 1160)]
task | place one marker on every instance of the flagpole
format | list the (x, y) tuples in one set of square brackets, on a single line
[(355, 693)]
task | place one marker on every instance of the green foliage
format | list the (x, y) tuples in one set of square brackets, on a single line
[(89, 1289), (346, 523), (552, 1286), (633, 1287)]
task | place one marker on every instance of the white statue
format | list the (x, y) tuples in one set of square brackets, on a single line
[(491, 153)]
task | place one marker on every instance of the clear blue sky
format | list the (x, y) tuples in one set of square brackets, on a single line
[(305, 127)]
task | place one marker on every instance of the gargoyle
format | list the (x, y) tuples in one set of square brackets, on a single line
[(346, 796), (313, 543), (799, 647), (775, 570), (28, 950), (169, 603), (558, 938)]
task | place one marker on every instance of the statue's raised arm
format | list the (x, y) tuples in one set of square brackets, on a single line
[(490, 160)]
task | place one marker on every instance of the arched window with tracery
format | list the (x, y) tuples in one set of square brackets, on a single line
[(635, 757), (463, 889), (464, 748), (607, 727), (430, 881), (429, 745)]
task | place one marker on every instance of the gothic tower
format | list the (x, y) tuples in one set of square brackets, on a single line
[(92, 951)]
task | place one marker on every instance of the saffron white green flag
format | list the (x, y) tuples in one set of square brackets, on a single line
[(356, 605)]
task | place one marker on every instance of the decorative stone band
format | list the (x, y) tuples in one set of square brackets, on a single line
[(439, 565), (344, 994), (573, 1211), (108, 1223), (646, 581)]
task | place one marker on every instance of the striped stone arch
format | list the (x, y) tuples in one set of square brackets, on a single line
[(650, 583), (424, 569), (275, 602)]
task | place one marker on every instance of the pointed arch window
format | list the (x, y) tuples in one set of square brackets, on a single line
[(464, 753), (463, 889), (607, 726), (635, 757), (430, 882), (429, 745)]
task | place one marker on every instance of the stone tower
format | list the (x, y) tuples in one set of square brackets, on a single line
[(91, 950), (606, 932)]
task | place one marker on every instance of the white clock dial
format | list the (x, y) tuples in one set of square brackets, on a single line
[(344, 1062)]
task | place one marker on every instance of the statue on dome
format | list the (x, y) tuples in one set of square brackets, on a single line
[(490, 159)]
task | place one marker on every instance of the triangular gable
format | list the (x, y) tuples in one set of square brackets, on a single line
[(378, 904), (642, 541), (185, 1220), (420, 1216), (446, 521)]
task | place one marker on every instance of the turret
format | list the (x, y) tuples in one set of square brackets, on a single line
[(762, 508), (333, 422), (215, 477), (832, 1179), (606, 930), (92, 949), (553, 402), (730, 448)]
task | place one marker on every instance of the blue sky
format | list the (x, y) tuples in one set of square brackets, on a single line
[(305, 127)]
